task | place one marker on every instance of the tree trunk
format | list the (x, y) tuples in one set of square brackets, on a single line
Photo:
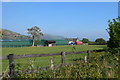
[(33, 43)]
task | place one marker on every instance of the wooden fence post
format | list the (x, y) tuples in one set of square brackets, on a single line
[(85, 59), (51, 64), (11, 65), (63, 57), (88, 54)]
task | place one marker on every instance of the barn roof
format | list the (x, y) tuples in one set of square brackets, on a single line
[(72, 39), (50, 41)]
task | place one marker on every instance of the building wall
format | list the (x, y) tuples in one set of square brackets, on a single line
[(25, 43), (16, 43), (58, 42)]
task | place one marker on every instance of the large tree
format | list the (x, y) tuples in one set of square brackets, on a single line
[(114, 33), (35, 33), (100, 41)]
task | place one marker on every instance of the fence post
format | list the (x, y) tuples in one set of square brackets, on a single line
[(63, 57), (11, 65), (51, 64), (88, 54), (85, 59)]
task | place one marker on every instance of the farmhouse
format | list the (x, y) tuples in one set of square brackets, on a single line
[(72, 39)]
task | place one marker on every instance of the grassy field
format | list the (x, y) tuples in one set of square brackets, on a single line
[(44, 50), (45, 61)]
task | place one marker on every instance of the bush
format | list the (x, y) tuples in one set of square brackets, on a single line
[(114, 33)]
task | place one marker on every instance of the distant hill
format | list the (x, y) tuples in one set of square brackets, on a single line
[(7, 34)]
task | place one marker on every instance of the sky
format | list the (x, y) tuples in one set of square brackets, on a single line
[(67, 19), (60, 0)]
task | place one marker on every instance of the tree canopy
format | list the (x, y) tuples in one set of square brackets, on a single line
[(35, 33), (85, 40), (100, 41), (114, 33)]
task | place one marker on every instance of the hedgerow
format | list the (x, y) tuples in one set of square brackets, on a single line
[(99, 66)]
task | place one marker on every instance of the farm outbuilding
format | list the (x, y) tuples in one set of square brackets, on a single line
[(54, 42), (50, 43)]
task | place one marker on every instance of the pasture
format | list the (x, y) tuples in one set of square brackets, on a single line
[(45, 61)]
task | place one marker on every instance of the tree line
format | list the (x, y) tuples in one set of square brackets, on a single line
[(98, 41)]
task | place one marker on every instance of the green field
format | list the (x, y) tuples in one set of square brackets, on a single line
[(45, 61)]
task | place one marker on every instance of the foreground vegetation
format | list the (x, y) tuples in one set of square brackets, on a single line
[(100, 65)]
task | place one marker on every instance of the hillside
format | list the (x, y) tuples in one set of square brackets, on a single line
[(7, 34)]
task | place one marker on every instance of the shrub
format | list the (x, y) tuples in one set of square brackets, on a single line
[(114, 33)]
